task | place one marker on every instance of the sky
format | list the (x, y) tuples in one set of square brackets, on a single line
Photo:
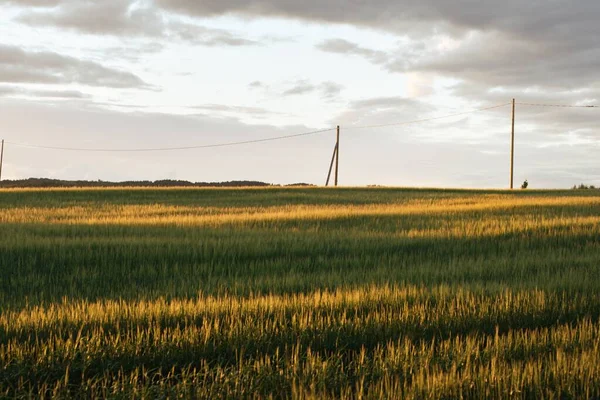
[(160, 74)]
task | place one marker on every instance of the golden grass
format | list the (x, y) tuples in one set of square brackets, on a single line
[(158, 214)]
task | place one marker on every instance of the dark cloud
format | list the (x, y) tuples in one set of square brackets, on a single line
[(363, 12), (20, 66), (502, 60), (488, 59), (537, 18)]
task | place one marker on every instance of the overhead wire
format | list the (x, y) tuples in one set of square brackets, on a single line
[(556, 105), (227, 144), (425, 119), (243, 142)]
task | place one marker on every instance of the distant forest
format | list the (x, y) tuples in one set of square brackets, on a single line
[(50, 183)]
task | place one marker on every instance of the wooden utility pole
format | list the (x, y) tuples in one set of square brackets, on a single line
[(331, 165), (1, 158), (512, 148), (337, 157)]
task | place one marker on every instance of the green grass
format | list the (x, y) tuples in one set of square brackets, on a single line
[(299, 293)]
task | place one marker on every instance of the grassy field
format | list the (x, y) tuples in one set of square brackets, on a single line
[(299, 293)]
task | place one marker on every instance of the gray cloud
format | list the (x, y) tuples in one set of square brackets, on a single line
[(490, 59), (128, 52), (382, 110), (330, 90), (363, 12), (588, 95), (57, 94), (493, 67), (20, 66), (204, 36), (128, 18), (511, 43), (501, 43), (300, 87), (214, 110), (116, 16), (502, 60), (256, 85), (327, 90), (383, 103), (221, 108), (537, 19), (34, 3), (341, 46)]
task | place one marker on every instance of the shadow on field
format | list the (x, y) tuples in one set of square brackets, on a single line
[(49, 262), (264, 197)]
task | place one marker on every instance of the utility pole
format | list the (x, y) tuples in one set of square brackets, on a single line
[(1, 158), (335, 148), (512, 147), (337, 157)]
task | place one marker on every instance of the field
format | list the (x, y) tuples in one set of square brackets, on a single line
[(299, 293)]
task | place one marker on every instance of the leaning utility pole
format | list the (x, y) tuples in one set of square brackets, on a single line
[(331, 165), (512, 147), (335, 159), (1, 158), (337, 156)]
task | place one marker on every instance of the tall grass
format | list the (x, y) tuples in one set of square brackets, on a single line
[(299, 293)]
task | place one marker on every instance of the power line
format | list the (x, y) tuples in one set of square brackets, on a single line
[(173, 148), (229, 144), (555, 105), (426, 119)]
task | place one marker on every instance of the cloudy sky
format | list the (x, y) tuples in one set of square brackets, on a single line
[(146, 74)]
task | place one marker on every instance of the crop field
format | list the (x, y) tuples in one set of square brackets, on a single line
[(299, 293)]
